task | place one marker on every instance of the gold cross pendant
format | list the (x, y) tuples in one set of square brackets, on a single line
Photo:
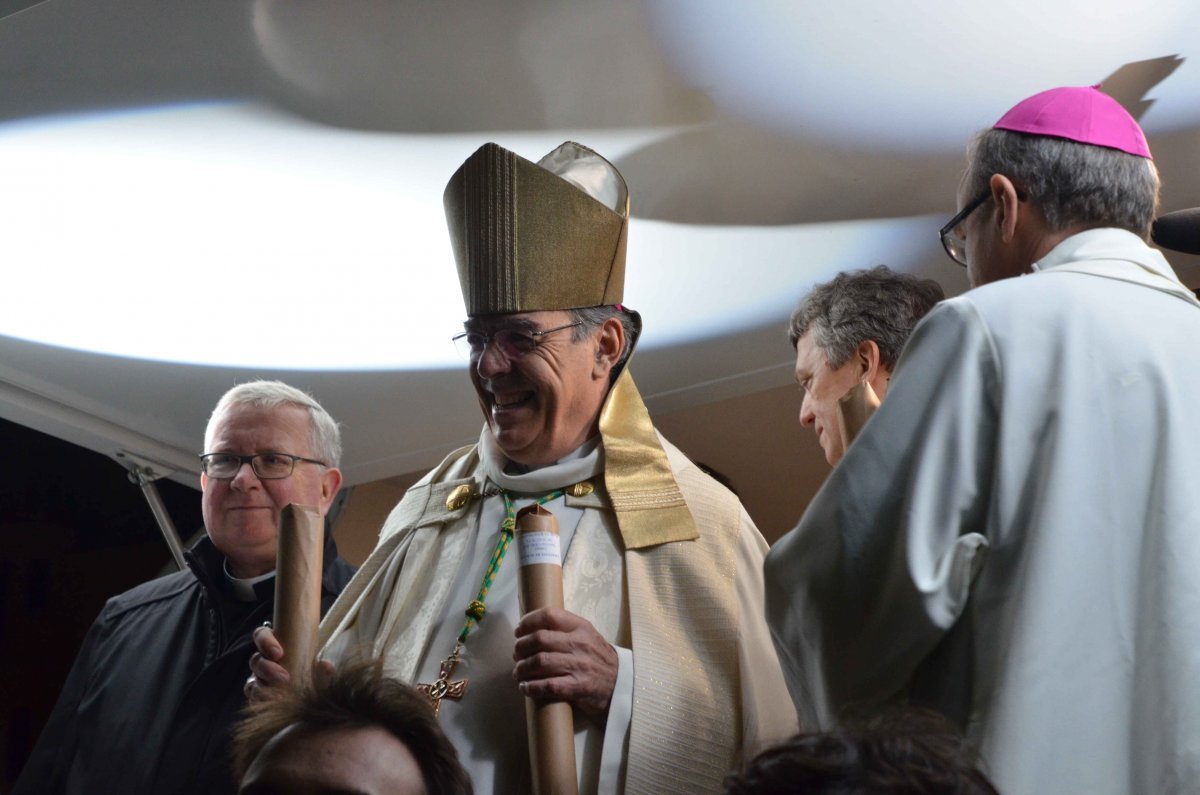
[(443, 687)]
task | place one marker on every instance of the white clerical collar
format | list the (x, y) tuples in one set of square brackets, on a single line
[(1115, 254), (243, 588), (582, 463)]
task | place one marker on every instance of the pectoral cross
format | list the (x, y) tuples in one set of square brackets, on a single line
[(442, 687)]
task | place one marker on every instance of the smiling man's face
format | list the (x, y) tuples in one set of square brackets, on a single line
[(241, 514), (544, 404), (822, 387)]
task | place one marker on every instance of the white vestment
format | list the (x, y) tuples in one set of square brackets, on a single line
[(407, 604), (1014, 538)]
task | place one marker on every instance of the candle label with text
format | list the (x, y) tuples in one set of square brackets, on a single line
[(539, 547)]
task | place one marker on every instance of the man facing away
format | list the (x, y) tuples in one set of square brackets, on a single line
[(1014, 537), (848, 334), (157, 686), (662, 650)]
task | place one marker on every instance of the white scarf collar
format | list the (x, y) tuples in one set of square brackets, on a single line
[(585, 462)]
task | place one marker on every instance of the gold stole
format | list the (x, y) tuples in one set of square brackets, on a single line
[(649, 506)]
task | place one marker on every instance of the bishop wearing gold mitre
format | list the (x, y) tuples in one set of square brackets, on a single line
[(662, 650)]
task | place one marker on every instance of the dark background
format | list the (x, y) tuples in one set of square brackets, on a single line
[(74, 531)]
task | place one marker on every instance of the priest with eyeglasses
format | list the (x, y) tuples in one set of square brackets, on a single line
[(157, 686), (1014, 537), (662, 649)]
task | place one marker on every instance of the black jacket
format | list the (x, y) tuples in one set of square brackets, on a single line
[(157, 685)]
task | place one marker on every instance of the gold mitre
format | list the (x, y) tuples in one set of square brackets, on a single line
[(535, 236)]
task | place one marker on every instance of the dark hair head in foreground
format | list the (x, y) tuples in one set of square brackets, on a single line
[(907, 752), (342, 731)]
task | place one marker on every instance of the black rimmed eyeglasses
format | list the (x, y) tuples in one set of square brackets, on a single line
[(512, 342), (267, 466), (952, 239)]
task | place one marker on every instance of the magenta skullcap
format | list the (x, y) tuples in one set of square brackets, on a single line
[(1078, 113)]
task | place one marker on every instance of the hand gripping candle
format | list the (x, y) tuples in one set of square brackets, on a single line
[(551, 724), (298, 565)]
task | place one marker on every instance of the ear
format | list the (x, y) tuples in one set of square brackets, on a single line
[(331, 481), (1008, 205), (871, 368), (610, 341), (867, 360)]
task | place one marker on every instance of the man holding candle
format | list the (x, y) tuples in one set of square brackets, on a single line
[(157, 685), (662, 649)]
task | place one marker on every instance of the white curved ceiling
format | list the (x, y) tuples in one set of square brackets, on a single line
[(195, 198)]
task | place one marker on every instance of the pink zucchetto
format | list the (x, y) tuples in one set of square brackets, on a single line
[(1078, 113)]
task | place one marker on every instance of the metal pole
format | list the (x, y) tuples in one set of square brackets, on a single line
[(144, 471), (150, 491)]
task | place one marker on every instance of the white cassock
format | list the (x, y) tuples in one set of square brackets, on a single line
[(406, 605), (1014, 539)]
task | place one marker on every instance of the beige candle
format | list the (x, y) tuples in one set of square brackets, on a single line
[(298, 568), (551, 724)]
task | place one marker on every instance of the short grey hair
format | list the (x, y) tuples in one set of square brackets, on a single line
[(1072, 184), (855, 306), (325, 438), (594, 316)]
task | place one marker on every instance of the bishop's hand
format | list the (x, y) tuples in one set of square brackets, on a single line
[(561, 657)]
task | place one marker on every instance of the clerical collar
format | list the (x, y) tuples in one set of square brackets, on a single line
[(243, 588), (1115, 254), (582, 463)]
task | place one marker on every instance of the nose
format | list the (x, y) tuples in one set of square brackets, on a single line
[(245, 478), (491, 361), (807, 415)]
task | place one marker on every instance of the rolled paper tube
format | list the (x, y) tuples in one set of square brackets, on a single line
[(854, 409), (298, 587), (551, 724)]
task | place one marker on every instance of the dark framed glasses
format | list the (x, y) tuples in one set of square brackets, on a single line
[(267, 466), (512, 342), (950, 234)]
